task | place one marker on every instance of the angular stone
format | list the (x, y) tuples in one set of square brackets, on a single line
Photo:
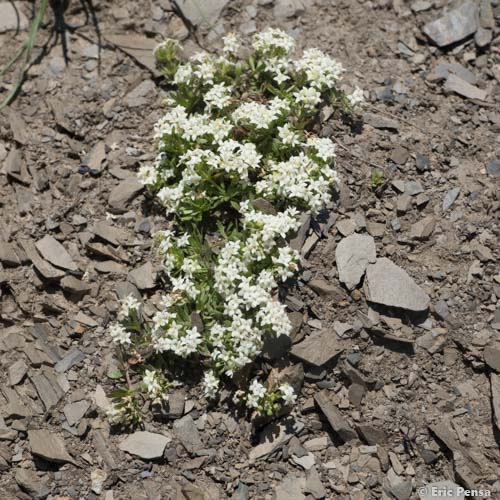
[(74, 412), (48, 271), (389, 285), (288, 8), (111, 234), (29, 482), (353, 254), (73, 357), (74, 286), (176, 402), (123, 193), (206, 12), (318, 348), (273, 437), (371, 435), (52, 251), (450, 198), (492, 358), (147, 445), (325, 289), (8, 256), (17, 371), (454, 26), (402, 490), (138, 47), (48, 389), (186, 432), (338, 423), (423, 229), (143, 277), (48, 446), (456, 84)]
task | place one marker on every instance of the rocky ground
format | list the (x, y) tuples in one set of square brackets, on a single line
[(396, 311)]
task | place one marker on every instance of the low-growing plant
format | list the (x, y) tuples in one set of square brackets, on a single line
[(378, 178), (237, 163)]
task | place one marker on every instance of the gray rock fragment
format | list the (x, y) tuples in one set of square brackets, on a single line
[(73, 357), (288, 8), (17, 371), (273, 437), (48, 446), (123, 193), (492, 358), (389, 285), (143, 277), (454, 26), (334, 417), (291, 488), (146, 445), (205, 12), (29, 482), (456, 84), (353, 254), (74, 412), (450, 198), (52, 251), (186, 432), (318, 348)]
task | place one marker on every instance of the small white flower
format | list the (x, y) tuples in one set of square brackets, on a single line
[(119, 334), (309, 96), (288, 136), (357, 97), (129, 304), (147, 175), (288, 394), (218, 97), (231, 44), (210, 385)]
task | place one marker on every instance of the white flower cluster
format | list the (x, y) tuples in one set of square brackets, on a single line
[(321, 70), (301, 178), (227, 139)]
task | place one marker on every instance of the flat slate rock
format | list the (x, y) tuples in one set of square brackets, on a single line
[(147, 445), (337, 422), (353, 254), (52, 251), (29, 482), (124, 192), (492, 358), (17, 371), (74, 412), (198, 12), (143, 277), (48, 446), (138, 47), (274, 436), (186, 432), (47, 270), (454, 26), (318, 348), (456, 84), (389, 285), (73, 357)]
